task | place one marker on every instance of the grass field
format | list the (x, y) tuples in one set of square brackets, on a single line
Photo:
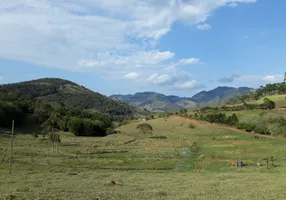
[(196, 163), (278, 99), (253, 115)]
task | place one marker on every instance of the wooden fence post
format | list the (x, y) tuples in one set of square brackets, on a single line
[(11, 149)]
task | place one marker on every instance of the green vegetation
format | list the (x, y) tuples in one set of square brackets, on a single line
[(192, 126), (145, 128), (56, 104), (275, 92), (59, 93), (254, 112), (199, 163)]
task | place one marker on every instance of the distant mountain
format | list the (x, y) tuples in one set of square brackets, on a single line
[(159, 102), (219, 95), (155, 102), (59, 92)]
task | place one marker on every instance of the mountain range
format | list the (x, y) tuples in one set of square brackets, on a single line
[(59, 92), (159, 102)]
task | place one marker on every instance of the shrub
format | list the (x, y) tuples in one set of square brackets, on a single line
[(159, 137), (239, 125), (54, 137), (110, 131), (192, 126), (86, 127), (35, 135), (259, 130), (145, 128), (249, 127)]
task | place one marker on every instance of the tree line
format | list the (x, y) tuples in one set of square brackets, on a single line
[(267, 104)]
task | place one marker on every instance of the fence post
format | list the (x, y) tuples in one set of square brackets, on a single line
[(11, 148)]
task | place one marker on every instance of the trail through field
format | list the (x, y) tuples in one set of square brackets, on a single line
[(222, 126)]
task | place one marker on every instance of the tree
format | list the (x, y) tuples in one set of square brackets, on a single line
[(263, 123), (232, 120), (50, 127), (278, 126), (145, 128), (268, 104)]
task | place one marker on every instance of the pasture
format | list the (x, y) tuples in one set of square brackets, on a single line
[(279, 100), (174, 162)]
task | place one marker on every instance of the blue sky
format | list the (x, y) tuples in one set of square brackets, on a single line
[(125, 46)]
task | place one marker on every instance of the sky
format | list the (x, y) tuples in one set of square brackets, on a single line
[(177, 47)]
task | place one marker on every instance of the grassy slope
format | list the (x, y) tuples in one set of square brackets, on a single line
[(40, 174), (252, 115), (249, 115), (278, 99)]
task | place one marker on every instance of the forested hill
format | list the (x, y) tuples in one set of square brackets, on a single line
[(59, 93), (155, 102), (158, 102), (220, 94)]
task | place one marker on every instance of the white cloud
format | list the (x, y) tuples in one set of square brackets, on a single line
[(134, 59), (193, 84), (204, 26), (232, 5), (273, 78), (261, 79), (160, 79), (131, 76), (189, 61), (67, 34), (189, 84), (111, 37)]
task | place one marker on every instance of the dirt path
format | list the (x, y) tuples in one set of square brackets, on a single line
[(221, 126)]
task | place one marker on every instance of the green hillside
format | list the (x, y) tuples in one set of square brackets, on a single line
[(59, 92), (279, 100)]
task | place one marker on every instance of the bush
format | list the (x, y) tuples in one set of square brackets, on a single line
[(192, 126), (110, 131), (145, 128), (159, 137), (249, 127), (54, 137), (35, 135), (239, 125), (259, 130), (86, 127)]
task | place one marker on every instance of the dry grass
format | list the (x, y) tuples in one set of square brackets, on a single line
[(200, 171)]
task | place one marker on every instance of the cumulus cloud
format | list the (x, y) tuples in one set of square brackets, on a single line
[(134, 59), (232, 5), (70, 34), (189, 84), (189, 61), (160, 79), (204, 26), (261, 79), (131, 76), (193, 84), (273, 78), (112, 38), (228, 79)]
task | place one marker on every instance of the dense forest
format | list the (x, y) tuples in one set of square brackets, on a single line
[(59, 92), (61, 105)]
